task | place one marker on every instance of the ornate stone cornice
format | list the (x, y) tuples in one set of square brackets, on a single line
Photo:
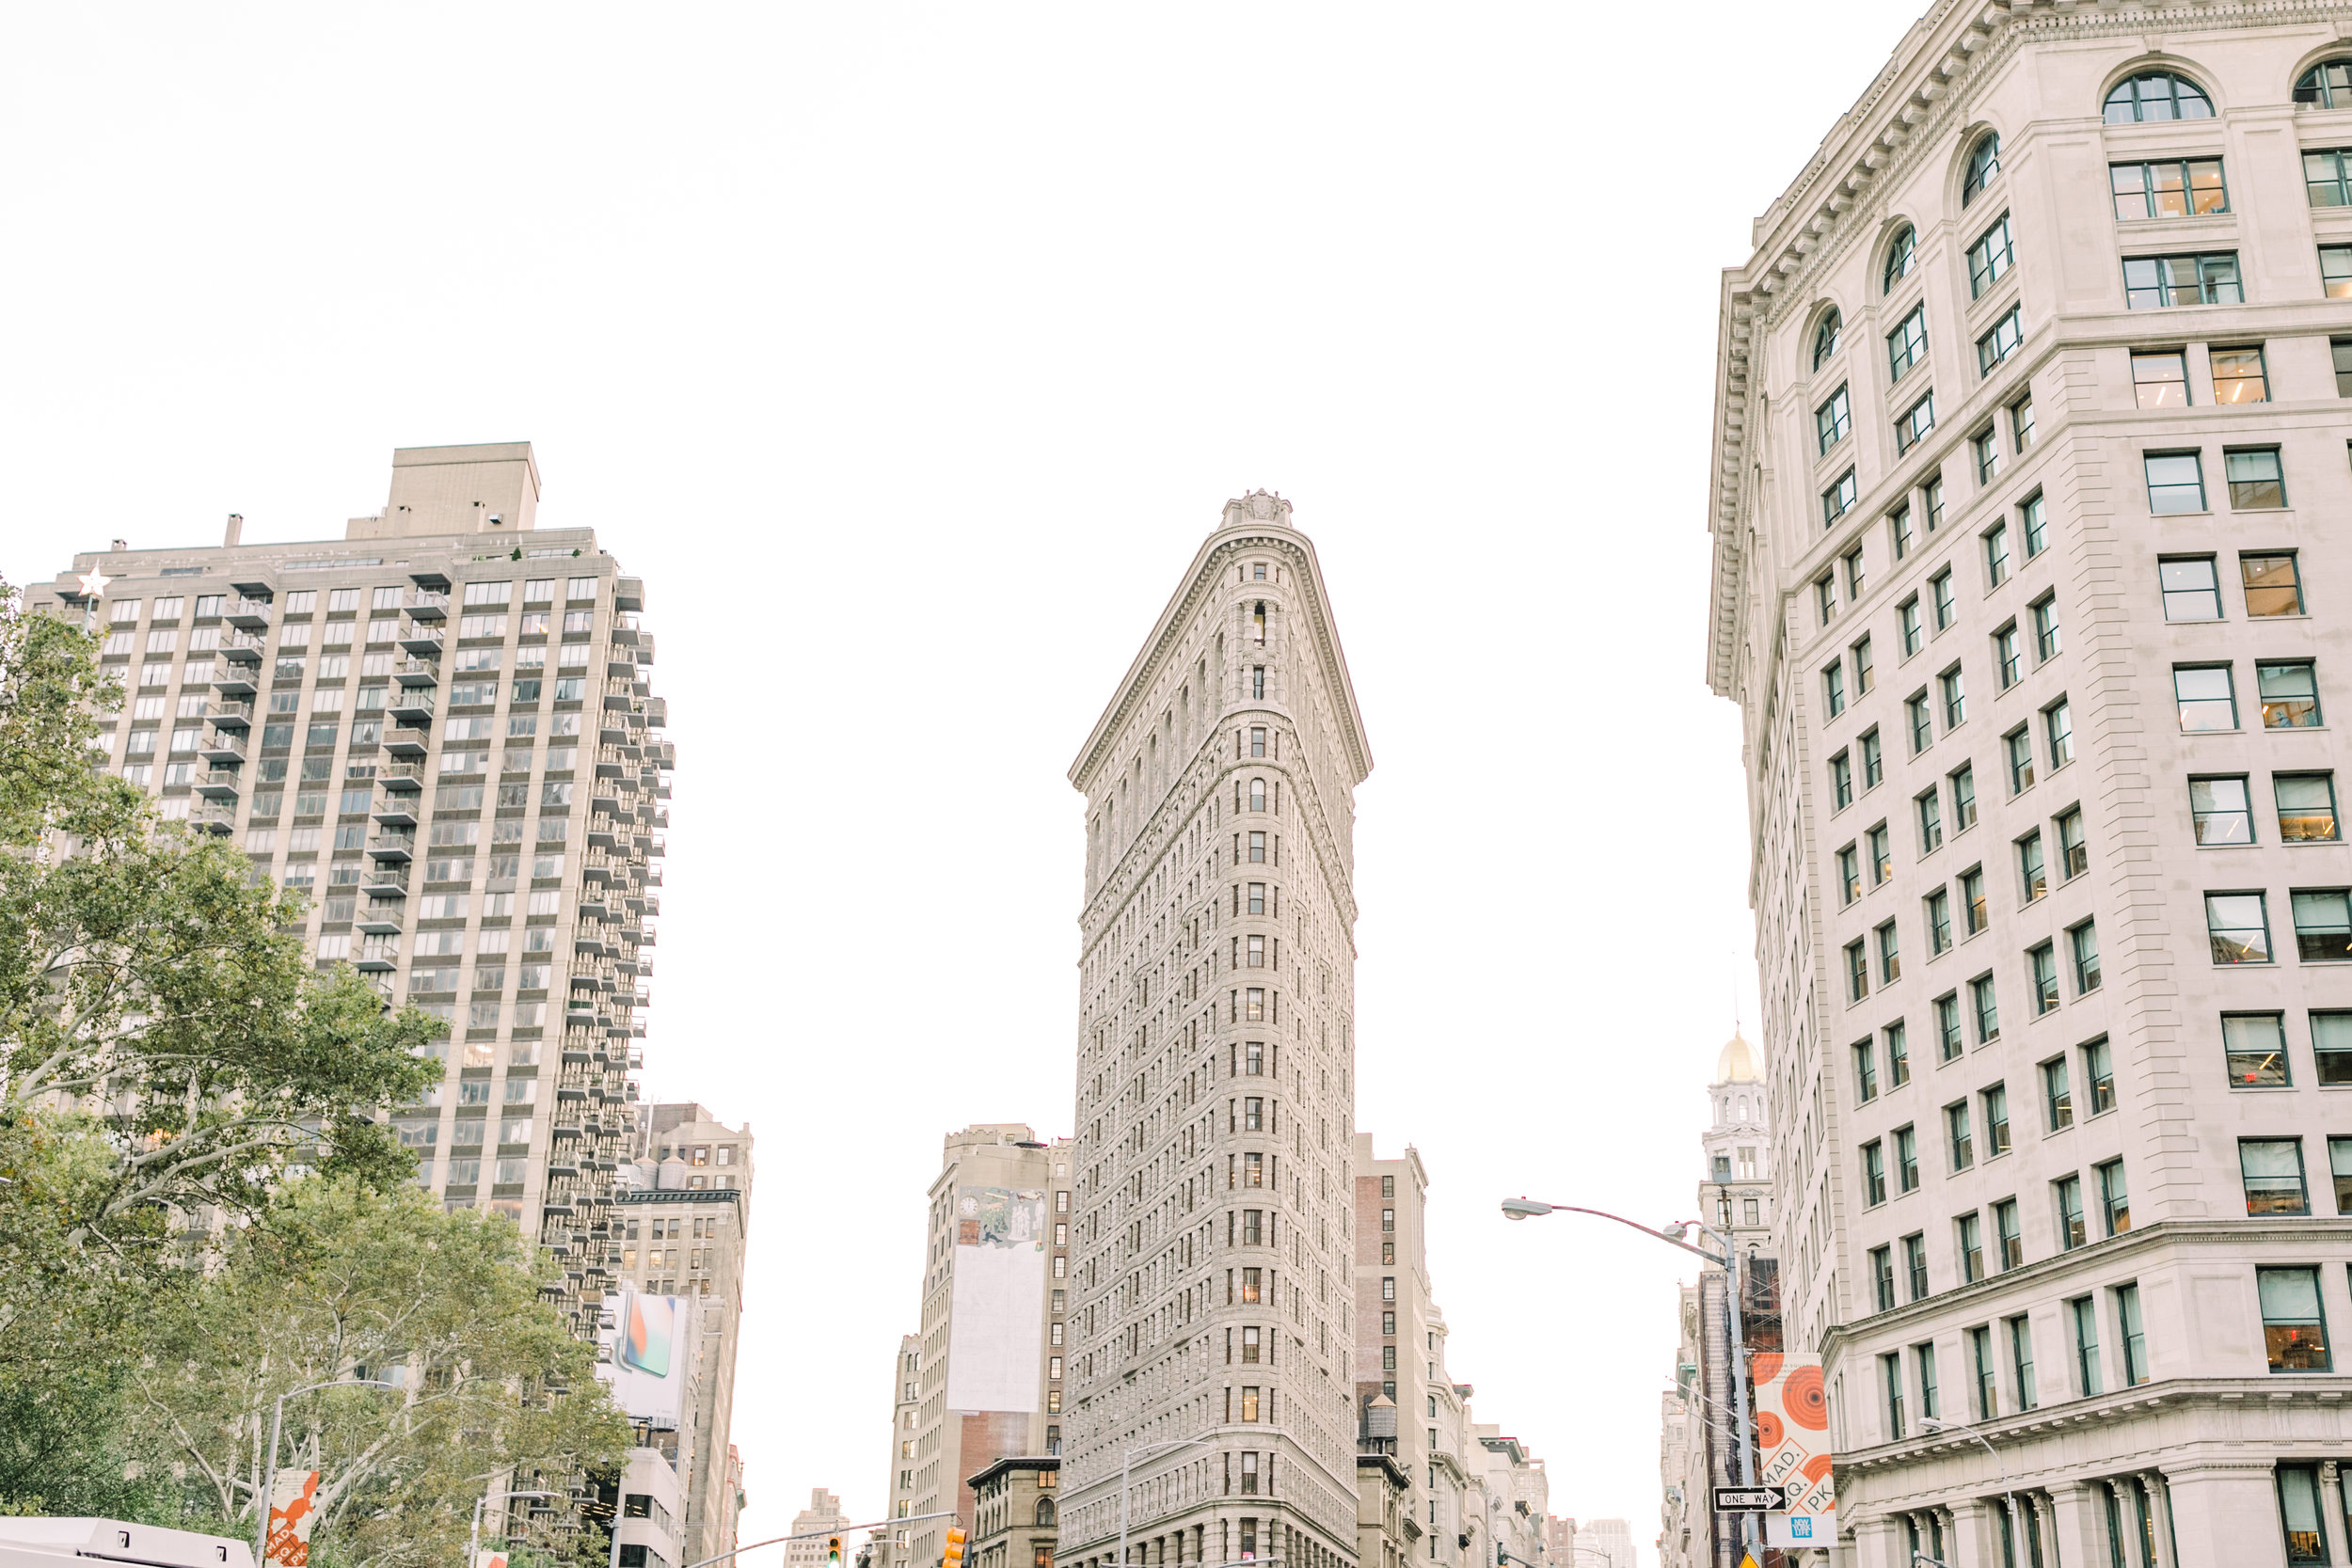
[(1924, 90)]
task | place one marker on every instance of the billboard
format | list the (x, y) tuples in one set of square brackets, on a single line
[(650, 1345), (999, 1299), (1792, 1442)]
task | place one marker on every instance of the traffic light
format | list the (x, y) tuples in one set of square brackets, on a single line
[(953, 1557), (833, 1551)]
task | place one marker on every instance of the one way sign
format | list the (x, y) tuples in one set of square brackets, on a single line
[(1746, 1499)]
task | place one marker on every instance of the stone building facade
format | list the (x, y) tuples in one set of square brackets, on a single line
[(1014, 1521), (936, 1449), (2029, 506), (1211, 1284), (440, 727)]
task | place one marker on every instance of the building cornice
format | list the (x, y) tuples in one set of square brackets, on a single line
[(1899, 121)]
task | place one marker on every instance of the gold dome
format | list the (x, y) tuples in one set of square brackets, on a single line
[(1738, 1064)]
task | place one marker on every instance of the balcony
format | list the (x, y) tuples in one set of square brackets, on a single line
[(415, 671), (395, 808), (426, 604), (408, 742), (422, 640), (413, 704), (214, 816), (655, 844), (219, 783), (223, 746), (381, 916), (234, 680), (246, 615), (398, 845), (379, 957), (405, 777), (388, 879), (230, 714)]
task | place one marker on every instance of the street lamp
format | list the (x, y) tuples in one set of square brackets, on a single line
[(1938, 1423), (473, 1538), (269, 1468), (1526, 1208), (1128, 1458)]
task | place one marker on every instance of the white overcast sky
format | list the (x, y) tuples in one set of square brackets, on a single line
[(908, 353)]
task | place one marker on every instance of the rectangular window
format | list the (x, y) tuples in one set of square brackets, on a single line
[(2058, 730), (2160, 377), (2335, 271), (2255, 478), (1959, 1139), (2327, 175), (1907, 625), (1842, 781), (1873, 761), (2290, 695), (2176, 481), (1996, 555), (1972, 899), (2058, 1097), (1908, 343), (1865, 1071), (1906, 1159), (1963, 782), (1853, 560), (1915, 1266), (1850, 873), (2036, 517), (1955, 698), (2082, 942), (1873, 1173), (1883, 1277), (1899, 531), (1890, 956), (1833, 420), (2191, 589), (2074, 850), (1988, 1013), (1930, 811), (2131, 1339), (2085, 1313), (2174, 188), (2272, 1171), (1838, 498), (1984, 449), (2004, 1229), (2021, 429), (1857, 971), (2018, 745), (2000, 343), (1825, 597), (1923, 1360), (1891, 1375), (2068, 1192), (2239, 927), (2295, 1331), (1919, 720), (2207, 701), (1881, 861), (1940, 586), (2331, 1044), (2045, 628), (2254, 1046), (1989, 259), (1968, 1234), (2322, 924), (1994, 1102), (1834, 687), (1898, 1055), (2158, 282), (1916, 421), (2273, 584), (1949, 1043), (2021, 1360), (2299, 1516), (2340, 350), (2339, 1172), (1931, 499), (2239, 375), (2042, 962)]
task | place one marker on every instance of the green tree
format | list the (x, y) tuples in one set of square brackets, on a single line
[(347, 1282)]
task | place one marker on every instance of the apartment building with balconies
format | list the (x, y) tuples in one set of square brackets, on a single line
[(2030, 578), (440, 728), (1213, 1291)]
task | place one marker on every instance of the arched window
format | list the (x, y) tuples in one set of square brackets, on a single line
[(1825, 340), (2326, 85), (2156, 95), (1984, 166), (1044, 1512), (1257, 795), (1901, 257)]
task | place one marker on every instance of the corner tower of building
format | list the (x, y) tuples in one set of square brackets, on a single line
[(1212, 1320)]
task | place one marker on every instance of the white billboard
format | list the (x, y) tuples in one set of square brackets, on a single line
[(650, 1347), (998, 1306)]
